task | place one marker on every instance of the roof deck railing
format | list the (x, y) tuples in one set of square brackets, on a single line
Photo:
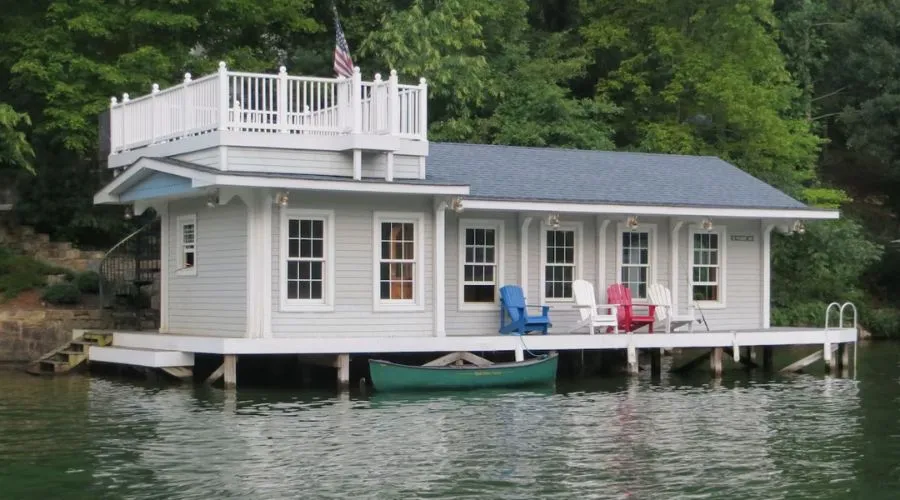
[(266, 103)]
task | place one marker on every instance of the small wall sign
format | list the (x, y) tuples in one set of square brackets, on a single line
[(741, 237)]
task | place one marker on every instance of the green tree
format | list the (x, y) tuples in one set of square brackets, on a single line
[(15, 150)]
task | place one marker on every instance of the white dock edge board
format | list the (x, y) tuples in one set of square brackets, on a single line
[(313, 345), (141, 357)]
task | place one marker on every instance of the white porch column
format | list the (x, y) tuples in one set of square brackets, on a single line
[(259, 263), (524, 222), (440, 211), (163, 211), (602, 224), (675, 232), (766, 284)]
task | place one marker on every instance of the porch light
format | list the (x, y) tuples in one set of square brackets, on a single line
[(457, 205), (707, 224), (553, 220), (632, 222), (128, 213), (281, 198), (798, 227), (212, 201)]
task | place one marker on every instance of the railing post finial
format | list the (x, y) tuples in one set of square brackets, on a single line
[(187, 78), (282, 70), (125, 97), (113, 101), (378, 77), (222, 66), (154, 89)]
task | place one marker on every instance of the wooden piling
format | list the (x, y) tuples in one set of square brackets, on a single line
[(655, 362), (844, 356), (767, 355), (715, 361), (343, 372), (632, 364), (230, 371)]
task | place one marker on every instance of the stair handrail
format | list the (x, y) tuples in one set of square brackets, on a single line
[(115, 247)]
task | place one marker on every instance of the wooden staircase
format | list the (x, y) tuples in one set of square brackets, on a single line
[(69, 356)]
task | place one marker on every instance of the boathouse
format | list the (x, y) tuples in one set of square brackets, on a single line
[(312, 216)]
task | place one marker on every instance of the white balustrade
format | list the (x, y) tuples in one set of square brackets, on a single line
[(262, 103)]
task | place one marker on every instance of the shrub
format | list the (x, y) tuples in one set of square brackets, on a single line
[(88, 282), (62, 293), (882, 322)]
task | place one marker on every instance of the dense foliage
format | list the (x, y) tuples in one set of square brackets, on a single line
[(803, 94)]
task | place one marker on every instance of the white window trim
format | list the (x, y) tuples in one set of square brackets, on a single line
[(326, 303), (621, 227), (180, 222), (578, 227), (496, 225), (398, 305), (723, 262)]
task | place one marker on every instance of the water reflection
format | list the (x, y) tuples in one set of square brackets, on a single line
[(747, 436)]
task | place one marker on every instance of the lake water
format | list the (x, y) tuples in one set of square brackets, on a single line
[(747, 436)]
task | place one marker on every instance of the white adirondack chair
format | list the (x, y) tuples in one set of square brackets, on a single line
[(593, 315), (662, 298)]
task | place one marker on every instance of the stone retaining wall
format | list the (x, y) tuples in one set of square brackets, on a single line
[(39, 246), (25, 335)]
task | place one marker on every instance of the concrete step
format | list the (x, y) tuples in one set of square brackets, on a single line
[(141, 357)]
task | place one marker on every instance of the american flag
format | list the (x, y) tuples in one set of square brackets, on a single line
[(343, 64)]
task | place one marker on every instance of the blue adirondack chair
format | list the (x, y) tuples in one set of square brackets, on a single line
[(514, 308)]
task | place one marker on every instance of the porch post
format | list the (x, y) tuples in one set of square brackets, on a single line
[(524, 222), (440, 211), (252, 259), (266, 201), (602, 224), (164, 267), (259, 263), (675, 226), (765, 252)]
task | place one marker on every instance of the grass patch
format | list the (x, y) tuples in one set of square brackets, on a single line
[(19, 273)]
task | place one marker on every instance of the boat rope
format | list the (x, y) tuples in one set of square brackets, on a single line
[(525, 347)]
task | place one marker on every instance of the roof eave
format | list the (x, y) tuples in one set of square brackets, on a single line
[(654, 210)]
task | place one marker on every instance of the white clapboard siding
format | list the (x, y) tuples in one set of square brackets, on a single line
[(375, 165), (207, 157), (477, 322), (290, 161), (743, 290), (353, 314), (214, 302)]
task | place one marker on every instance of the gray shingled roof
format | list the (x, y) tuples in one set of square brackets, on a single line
[(580, 176)]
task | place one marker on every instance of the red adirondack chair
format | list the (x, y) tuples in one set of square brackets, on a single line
[(629, 321)]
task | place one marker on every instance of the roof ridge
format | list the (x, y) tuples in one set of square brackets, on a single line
[(554, 148)]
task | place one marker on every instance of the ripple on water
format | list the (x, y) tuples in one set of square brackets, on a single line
[(801, 437)]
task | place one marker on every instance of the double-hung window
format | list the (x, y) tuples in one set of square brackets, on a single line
[(637, 258), (480, 255), (307, 249), (187, 245), (707, 261), (561, 260), (399, 261)]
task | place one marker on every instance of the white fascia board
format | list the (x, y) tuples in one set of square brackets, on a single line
[(589, 208), (110, 193), (345, 186), (344, 142)]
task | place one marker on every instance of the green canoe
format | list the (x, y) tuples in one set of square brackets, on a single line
[(387, 376)]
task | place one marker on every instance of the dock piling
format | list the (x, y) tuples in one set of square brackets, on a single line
[(230, 370), (632, 367), (715, 362), (655, 362), (343, 372), (767, 358)]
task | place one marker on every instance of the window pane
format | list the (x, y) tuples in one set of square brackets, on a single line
[(304, 270), (470, 236), (408, 251), (318, 249), (305, 248), (479, 236), (489, 273), (385, 272), (293, 270), (478, 293), (385, 250), (293, 290), (315, 270), (644, 257), (489, 236), (304, 290), (293, 248), (406, 290), (386, 231), (293, 228), (489, 255), (189, 259), (315, 290), (318, 229), (468, 273), (385, 289), (408, 232)]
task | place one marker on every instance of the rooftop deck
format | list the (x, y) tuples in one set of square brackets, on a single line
[(269, 104)]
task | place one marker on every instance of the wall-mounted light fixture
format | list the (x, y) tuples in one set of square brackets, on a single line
[(212, 201), (553, 220), (457, 205), (129, 213), (632, 222), (281, 198), (707, 224), (798, 227)]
